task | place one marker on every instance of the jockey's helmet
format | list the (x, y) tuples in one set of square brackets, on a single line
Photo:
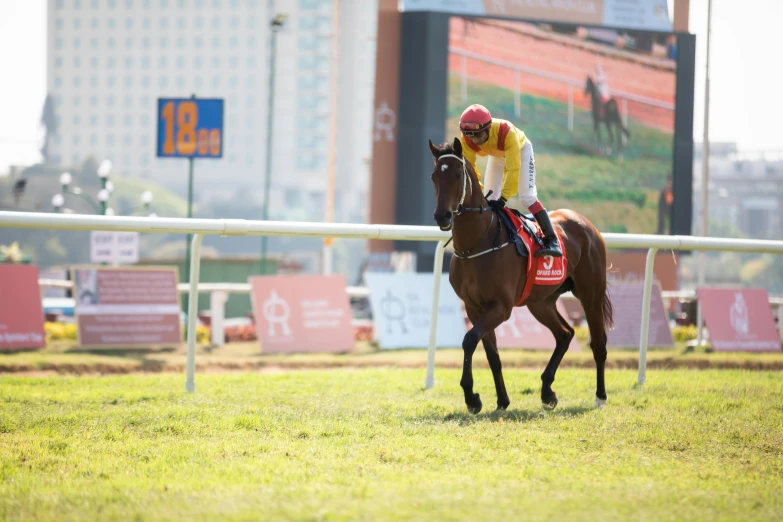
[(474, 119)]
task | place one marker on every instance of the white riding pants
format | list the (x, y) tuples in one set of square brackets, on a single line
[(527, 194)]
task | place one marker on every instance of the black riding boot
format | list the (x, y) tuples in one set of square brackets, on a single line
[(551, 244)]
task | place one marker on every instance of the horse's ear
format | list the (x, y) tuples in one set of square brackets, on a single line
[(457, 147), (435, 150)]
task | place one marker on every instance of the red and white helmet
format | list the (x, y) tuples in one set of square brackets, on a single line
[(475, 118)]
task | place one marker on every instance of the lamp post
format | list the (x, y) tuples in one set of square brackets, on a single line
[(275, 25), (705, 182), (104, 169)]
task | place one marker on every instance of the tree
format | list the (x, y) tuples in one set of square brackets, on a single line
[(48, 120)]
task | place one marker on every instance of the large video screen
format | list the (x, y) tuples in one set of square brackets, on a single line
[(597, 105)]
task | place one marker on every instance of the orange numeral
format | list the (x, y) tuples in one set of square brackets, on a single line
[(214, 142), (187, 119)]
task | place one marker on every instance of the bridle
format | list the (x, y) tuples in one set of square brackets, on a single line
[(460, 208), (465, 254)]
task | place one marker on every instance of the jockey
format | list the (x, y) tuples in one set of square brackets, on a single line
[(508, 149)]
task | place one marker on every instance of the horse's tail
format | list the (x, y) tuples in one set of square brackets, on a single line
[(608, 311)]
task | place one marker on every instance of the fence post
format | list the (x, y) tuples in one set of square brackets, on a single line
[(464, 64), (571, 108), (195, 266), (437, 271), (217, 307), (648, 280)]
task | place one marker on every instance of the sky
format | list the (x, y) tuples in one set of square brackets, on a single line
[(745, 75)]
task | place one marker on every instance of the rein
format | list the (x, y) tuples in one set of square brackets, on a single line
[(465, 254)]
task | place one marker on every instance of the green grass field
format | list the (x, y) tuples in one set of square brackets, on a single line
[(617, 196), (372, 445)]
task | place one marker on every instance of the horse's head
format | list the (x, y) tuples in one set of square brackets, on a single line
[(450, 177)]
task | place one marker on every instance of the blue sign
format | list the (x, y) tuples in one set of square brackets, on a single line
[(190, 128)]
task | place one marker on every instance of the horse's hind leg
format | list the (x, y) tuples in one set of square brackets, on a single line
[(546, 313), (593, 300), (484, 321), (493, 357)]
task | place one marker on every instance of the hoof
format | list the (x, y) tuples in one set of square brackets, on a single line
[(549, 403), (501, 408), (600, 403), (474, 406)]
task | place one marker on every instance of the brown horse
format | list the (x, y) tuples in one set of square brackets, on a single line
[(489, 278), (609, 114)]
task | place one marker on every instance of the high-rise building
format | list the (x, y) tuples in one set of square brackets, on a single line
[(110, 60)]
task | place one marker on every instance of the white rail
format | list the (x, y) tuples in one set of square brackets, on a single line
[(225, 227)]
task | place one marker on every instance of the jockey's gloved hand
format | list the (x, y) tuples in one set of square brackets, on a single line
[(497, 204)]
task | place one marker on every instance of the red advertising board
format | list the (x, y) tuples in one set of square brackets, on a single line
[(21, 314), (522, 330), (627, 303), (302, 313), (739, 319), (127, 306)]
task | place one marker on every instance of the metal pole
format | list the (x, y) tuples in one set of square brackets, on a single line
[(275, 24), (328, 251), (189, 237), (437, 272), (103, 203), (646, 298), (705, 179), (195, 261)]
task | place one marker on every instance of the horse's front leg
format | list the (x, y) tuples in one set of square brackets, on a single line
[(484, 322)]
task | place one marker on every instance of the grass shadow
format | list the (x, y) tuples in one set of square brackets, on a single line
[(520, 416)]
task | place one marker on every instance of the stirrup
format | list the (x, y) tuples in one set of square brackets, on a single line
[(550, 250)]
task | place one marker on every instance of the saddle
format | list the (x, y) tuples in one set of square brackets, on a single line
[(514, 221), (528, 239)]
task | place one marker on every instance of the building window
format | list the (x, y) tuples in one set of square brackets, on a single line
[(129, 23), (145, 62), (112, 23), (216, 23), (94, 43), (59, 23), (77, 62), (197, 62), (163, 63), (198, 22), (58, 62), (128, 62)]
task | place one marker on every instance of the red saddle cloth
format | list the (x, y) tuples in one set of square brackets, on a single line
[(544, 270)]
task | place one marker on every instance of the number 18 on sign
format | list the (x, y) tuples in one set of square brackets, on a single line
[(190, 128)]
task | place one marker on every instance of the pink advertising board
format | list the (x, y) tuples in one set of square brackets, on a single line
[(21, 314), (302, 313), (522, 330), (127, 306), (739, 319)]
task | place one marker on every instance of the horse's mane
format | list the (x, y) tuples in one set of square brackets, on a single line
[(445, 148)]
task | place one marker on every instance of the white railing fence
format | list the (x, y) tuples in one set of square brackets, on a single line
[(238, 227)]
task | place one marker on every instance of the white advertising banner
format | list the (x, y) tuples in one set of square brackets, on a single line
[(118, 248), (401, 308)]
